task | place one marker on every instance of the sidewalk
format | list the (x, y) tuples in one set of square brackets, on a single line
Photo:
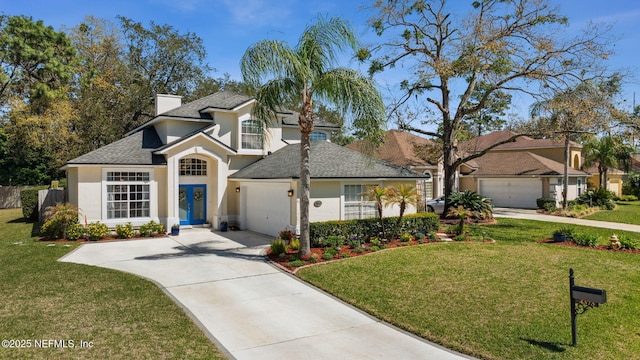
[(249, 308), (533, 215)]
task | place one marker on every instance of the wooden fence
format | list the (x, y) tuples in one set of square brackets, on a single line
[(49, 197), (10, 196)]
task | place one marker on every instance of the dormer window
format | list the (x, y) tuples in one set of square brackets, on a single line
[(317, 135), (252, 135)]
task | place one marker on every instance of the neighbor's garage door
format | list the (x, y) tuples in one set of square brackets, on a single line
[(515, 193), (268, 208)]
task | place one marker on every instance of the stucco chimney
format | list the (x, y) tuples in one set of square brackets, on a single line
[(166, 102)]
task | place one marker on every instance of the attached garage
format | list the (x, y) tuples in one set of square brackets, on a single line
[(512, 192), (267, 207)]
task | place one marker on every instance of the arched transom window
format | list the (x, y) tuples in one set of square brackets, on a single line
[(193, 167)]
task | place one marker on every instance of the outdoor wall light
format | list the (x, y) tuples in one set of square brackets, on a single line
[(237, 189), (290, 192)]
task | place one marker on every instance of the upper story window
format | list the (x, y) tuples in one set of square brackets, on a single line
[(317, 135), (193, 167), (252, 134)]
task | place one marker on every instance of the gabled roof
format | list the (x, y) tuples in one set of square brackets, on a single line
[(519, 164), (135, 149), (200, 132), (399, 148), (521, 143), (327, 161)]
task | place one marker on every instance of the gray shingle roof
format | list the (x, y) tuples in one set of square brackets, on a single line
[(327, 161), (135, 149)]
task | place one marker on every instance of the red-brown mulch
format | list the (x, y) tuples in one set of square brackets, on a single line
[(599, 247)]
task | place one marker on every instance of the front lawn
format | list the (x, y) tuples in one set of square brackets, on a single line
[(625, 212), (121, 315), (503, 300)]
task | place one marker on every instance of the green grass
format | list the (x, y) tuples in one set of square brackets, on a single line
[(503, 300), (125, 317), (625, 212)]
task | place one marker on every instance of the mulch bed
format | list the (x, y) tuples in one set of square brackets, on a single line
[(599, 247)]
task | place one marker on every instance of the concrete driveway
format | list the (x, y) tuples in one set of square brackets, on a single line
[(249, 308)]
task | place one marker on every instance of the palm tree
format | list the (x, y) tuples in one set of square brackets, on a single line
[(403, 195), (380, 196), (607, 152), (284, 75)]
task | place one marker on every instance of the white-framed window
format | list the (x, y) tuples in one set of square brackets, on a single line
[(193, 167), (579, 187), (252, 135), (128, 194), (356, 205), (318, 135)]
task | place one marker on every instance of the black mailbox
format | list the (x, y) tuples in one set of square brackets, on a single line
[(596, 296)]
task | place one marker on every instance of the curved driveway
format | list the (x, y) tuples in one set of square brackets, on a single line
[(249, 308)]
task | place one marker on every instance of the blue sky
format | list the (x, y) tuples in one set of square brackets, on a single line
[(228, 27)]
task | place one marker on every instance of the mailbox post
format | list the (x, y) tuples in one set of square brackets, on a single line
[(582, 299)]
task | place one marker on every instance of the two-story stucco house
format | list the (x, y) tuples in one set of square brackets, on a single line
[(211, 161)]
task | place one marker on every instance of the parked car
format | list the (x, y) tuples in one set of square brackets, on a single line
[(436, 205)]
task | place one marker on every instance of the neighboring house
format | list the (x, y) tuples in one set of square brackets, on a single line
[(515, 174), (204, 162), (615, 179), (414, 152)]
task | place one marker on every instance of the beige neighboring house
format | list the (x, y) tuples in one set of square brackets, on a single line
[(515, 174), (615, 178), (411, 151), (210, 161)]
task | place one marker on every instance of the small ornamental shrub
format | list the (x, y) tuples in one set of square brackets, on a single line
[(628, 198), (295, 263), (357, 250), (406, 237), (345, 255), (151, 228), (461, 238), (335, 242), (29, 201), (354, 243), (601, 198), (97, 231), (295, 244), (278, 247), (375, 248), (548, 204), (125, 231), (419, 237), (313, 258), (52, 229), (585, 240), (286, 235), (75, 231), (478, 206), (329, 254), (433, 236), (629, 243)]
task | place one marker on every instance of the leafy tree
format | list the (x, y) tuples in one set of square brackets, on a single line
[(286, 75), (607, 152), (489, 117), (36, 62), (580, 110), (498, 45)]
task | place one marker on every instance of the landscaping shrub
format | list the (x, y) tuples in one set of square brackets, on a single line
[(585, 239), (125, 231), (29, 201), (419, 237), (286, 235), (334, 241), (628, 243), (75, 231), (329, 254), (600, 197), (295, 263), (354, 243), (52, 229), (278, 247), (151, 228), (368, 228), (480, 207), (628, 198), (97, 231), (542, 203), (295, 244)]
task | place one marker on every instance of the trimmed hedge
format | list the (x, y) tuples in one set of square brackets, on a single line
[(29, 199), (546, 203), (368, 228)]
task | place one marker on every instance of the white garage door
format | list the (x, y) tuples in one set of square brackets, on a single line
[(268, 208), (515, 193)]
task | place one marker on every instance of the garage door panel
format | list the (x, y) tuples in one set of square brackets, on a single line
[(517, 193), (268, 208)]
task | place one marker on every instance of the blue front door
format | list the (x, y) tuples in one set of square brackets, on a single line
[(193, 204)]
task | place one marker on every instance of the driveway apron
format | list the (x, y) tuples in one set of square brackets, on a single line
[(251, 309)]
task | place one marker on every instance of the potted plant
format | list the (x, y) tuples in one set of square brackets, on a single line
[(175, 229), (560, 235)]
